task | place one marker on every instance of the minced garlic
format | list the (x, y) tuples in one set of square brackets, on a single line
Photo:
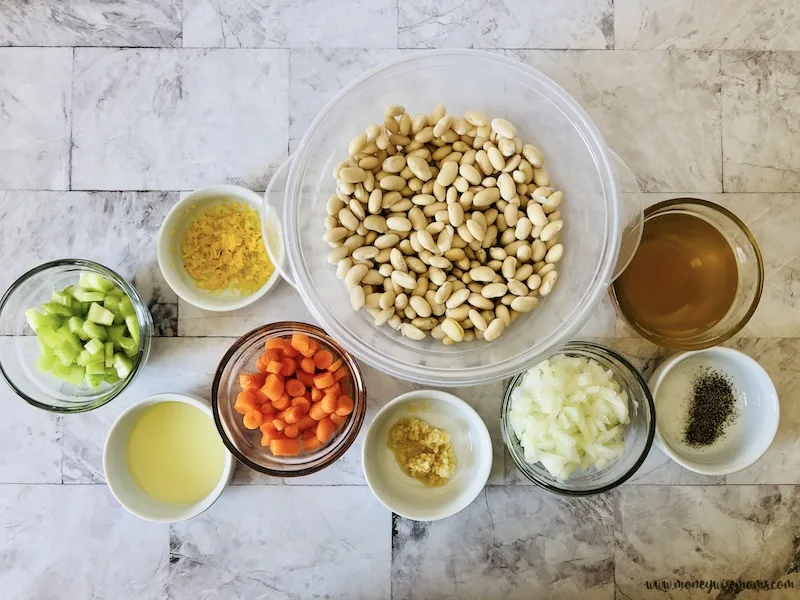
[(223, 250), (422, 452)]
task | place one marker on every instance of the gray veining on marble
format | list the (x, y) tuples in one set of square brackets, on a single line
[(75, 542), (506, 24), (284, 543), (290, 23), (658, 109), (707, 24), (90, 23), (511, 542), (706, 533), (760, 116), (116, 229), (35, 114), (162, 119)]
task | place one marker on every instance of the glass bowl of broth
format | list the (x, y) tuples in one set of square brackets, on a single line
[(696, 278)]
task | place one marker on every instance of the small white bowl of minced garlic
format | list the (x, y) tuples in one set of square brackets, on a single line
[(211, 249), (427, 455)]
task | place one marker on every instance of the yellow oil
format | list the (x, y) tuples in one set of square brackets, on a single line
[(174, 453)]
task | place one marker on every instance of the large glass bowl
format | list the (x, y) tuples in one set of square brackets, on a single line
[(19, 348), (245, 444), (637, 435), (545, 115)]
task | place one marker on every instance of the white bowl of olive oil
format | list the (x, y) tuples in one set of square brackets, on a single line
[(164, 460)]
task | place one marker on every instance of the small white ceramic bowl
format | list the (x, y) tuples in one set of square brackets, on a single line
[(125, 489), (753, 430), (405, 495), (169, 254)]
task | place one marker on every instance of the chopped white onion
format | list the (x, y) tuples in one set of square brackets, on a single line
[(567, 413)]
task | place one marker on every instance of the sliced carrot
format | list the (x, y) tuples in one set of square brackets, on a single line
[(275, 367), (325, 429), (261, 364), (251, 381), (285, 447), (295, 388), (245, 402), (340, 373), (323, 380), (323, 359), (282, 403), (336, 364), (310, 440), (316, 395), (306, 423), (252, 419), (261, 397), (344, 406), (289, 367), (273, 387), (316, 412), (279, 424), (300, 341), (335, 389), (307, 364), (274, 344), (292, 414), (306, 378), (337, 419), (291, 431), (303, 402), (269, 433), (275, 354), (290, 350), (311, 350), (329, 403), (268, 410)]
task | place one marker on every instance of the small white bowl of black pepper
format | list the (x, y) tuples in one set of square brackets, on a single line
[(717, 410)]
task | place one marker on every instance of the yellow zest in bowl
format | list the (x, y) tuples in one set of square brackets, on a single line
[(223, 250)]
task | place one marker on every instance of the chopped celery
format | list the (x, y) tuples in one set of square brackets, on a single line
[(87, 296), (123, 365), (66, 354), (94, 346), (54, 308), (95, 281), (69, 338), (81, 308), (111, 303), (126, 307), (133, 327), (128, 344), (111, 376), (76, 374), (35, 318), (109, 354), (76, 326), (115, 334), (61, 298), (99, 357), (98, 314), (95, 380), (60, 371), (95, 331), (83, 358), (117, 292), (48, 337), (46, 362), (97, 368)]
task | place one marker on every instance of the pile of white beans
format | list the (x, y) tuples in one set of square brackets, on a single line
[(444, 225)]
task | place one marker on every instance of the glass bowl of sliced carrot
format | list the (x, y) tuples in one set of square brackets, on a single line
[(288, 400)]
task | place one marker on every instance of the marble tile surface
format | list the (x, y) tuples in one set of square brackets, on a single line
[(75, 541), (506, 24), (182, 365), (35, 117), (161, 119), (669, 146), (290, 24), (116, 229), (759, 103), (30, 447), (707, 24), (511, 542), (88, 23), (309, 542), (718, 533)]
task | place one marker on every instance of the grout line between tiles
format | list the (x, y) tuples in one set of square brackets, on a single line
[(71, 119), (721, 126)]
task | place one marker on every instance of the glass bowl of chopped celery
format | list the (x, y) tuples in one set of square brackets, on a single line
[(73, 335), (579, 423)]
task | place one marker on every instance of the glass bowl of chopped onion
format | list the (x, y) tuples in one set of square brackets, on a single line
[(579, 423)]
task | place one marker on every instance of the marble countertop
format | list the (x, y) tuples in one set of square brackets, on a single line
[(109, 110)]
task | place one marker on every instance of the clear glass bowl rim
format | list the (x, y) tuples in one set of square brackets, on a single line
[(598, 350)]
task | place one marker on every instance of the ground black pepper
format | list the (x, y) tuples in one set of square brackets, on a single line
[(712, 409)]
